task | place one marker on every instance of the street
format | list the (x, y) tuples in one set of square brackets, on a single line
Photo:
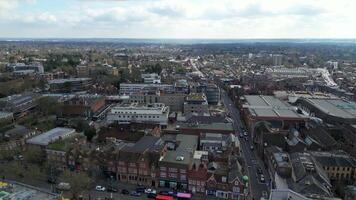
[(251, 159)]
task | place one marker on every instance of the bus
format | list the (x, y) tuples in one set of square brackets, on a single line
[(163, 197)]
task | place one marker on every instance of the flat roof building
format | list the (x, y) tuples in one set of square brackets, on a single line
[(156, 113), (50, 136), (331, 110), (70, 84), (281, 115)]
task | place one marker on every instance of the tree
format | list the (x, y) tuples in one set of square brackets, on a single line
[(89, 133), (78, 182), (34, 155), (67, 86), (48, 105)]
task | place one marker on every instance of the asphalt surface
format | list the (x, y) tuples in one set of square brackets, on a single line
[(251, 159)]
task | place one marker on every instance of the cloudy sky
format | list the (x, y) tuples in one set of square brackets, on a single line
[(178, 18)]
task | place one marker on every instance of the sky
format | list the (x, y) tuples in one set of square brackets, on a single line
[(181, 19)]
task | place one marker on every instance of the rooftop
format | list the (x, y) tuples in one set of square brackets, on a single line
[(269, 106), (146, 142), (59, 81), (50, 136), (336, 107)]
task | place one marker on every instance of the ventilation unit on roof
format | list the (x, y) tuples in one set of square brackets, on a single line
[(179, 158)]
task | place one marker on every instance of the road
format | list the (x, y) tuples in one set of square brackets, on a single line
[(252, 160)]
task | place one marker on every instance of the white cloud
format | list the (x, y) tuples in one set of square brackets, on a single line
[(185, 19)]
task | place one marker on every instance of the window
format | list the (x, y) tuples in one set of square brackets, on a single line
[(183, 177), (172, 169), (162, 168), (163, 174)]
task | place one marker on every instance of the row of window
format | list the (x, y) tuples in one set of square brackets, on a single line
[(138, 116), (338, 168), (171, 169), (198, 183)]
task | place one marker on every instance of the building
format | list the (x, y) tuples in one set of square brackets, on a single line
[(278, 162), (196, 103), (137, 163), (19, 104), (6, 118), (70, 84), (198, 175), (211, 91), (281, 116), (224, 181), (23, 69), (277, 59), (83, 106), (212, 94), (15, 137), (156, 113), (128, 88), (331, 110), (175, 101), (308, 177), (196, 125), (175, 164), (339, 166), (181, 86), (151, 78), (46, 138), (217, 142), (350, 192), (82, 71), (283, 194), (146, 96)]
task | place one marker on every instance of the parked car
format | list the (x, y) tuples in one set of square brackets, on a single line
[(262, 178), (111, 189), (164, 193), (151, 196), (245, 133), (251, 147), (259, 170), (140, 189), (51, 180), (124, 191), (136, 194), (63, 186), (100, 188), (246, 138), (150, 191), (265, 194)]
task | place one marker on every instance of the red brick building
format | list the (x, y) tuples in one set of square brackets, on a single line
[(83, 106)]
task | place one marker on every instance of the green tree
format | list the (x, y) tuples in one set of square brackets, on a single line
[(79, 182), (34, 155), (89, 133), (48, 106), (67, 86)]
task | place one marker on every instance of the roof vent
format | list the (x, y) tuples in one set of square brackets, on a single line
[(179, 158)]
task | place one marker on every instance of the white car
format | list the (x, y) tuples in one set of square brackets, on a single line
[(100, 188), (150, 191)]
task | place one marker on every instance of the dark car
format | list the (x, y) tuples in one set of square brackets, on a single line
[(151, 196), (52, 180), (166, 193), (111, 189), (135, 194), (124, 191), (259, 170), (140, 189)]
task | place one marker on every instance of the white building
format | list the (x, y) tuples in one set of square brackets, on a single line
[(50, 136), (156, 113), (151, 78), (128, 88)]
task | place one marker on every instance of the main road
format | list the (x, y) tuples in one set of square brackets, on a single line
[(251, 159)]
